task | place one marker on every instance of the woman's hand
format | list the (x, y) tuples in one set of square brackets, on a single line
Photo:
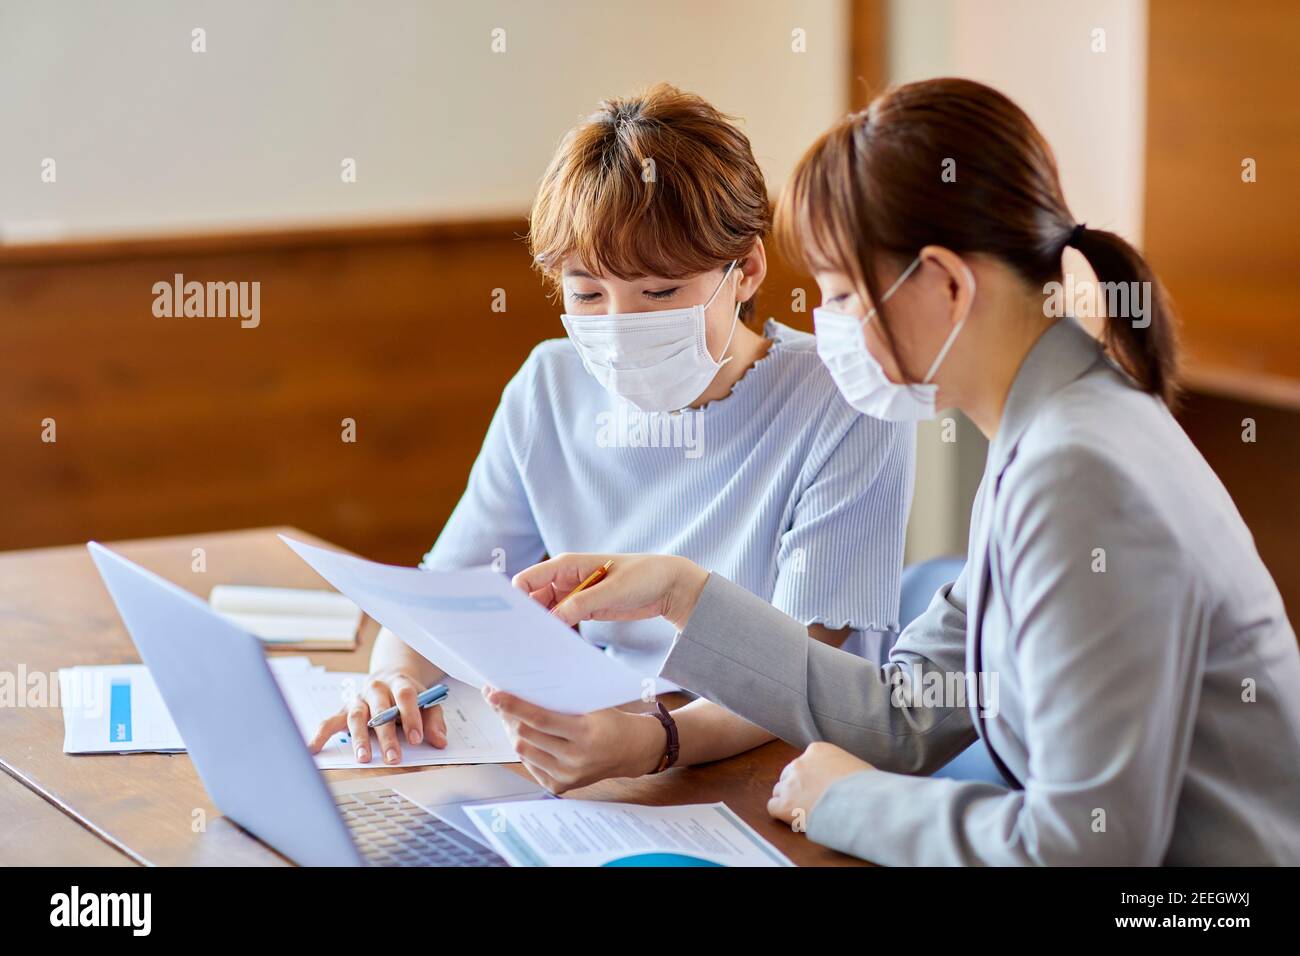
[(566, 751), (807, 777), (637, 586), (383, 689)]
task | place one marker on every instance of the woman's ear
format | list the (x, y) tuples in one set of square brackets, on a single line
[(753, 269), (960, 280)]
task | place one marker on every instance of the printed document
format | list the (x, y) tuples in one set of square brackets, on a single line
[(594, 833), (481, 630)]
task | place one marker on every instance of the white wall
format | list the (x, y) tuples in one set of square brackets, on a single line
[(1090, 105), (149, 136)]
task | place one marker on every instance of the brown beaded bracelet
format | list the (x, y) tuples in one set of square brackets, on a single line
[(670, 728)]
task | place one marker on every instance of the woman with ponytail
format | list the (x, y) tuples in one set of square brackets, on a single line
[(1114, 639)]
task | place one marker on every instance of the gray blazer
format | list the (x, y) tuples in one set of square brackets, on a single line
[(1141, 680)]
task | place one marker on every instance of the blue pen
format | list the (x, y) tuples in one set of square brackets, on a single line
[(434, 695)]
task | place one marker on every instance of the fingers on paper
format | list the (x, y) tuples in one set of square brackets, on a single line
[(435, 726), (331, 725)]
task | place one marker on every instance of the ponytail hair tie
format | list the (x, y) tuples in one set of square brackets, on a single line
[(1076, 234)]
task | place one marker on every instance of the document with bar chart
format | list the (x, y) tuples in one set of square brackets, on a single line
[(114, 709), (117, 709)]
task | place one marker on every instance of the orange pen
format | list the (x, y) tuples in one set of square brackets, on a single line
[(591, 579)]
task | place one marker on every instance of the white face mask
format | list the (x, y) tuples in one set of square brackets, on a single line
[(658, 361), (863, 383)]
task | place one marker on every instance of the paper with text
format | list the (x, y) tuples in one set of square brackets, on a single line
[(594, 833), (475, 734), (479, 629)]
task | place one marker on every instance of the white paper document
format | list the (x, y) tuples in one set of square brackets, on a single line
[(594, 833), (475, 734), (114, 709), (480, 629), (117, 709)]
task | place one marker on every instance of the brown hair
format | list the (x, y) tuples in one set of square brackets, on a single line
[(656, 184), (870, 189)]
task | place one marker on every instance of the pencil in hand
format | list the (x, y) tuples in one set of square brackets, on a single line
[(592, 578)]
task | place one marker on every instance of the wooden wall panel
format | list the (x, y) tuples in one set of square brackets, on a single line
[(1223, 87), (168, 425), (171, 425), (868, 51)]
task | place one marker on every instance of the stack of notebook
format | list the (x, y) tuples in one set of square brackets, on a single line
[(290, 618)]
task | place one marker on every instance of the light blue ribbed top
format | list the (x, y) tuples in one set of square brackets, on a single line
[(781, 487)]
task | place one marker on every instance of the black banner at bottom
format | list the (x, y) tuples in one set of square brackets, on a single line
[(622, 906)]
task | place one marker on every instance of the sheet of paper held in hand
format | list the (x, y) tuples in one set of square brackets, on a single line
[(479, 629)]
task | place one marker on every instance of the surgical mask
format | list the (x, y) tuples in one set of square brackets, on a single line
[(658, 361), (842, 345)]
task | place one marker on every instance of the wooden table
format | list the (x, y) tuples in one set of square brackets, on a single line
[(152, 808)]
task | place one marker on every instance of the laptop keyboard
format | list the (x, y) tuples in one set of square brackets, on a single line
[(392, 831)]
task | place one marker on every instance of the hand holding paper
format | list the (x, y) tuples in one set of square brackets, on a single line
[(479, 629)]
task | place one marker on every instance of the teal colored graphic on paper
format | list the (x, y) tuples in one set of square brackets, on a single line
[(119, 711), (661, 859)]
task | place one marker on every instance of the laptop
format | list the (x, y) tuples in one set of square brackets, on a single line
[(253, 760)]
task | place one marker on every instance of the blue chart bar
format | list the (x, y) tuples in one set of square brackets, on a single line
[(119, 711)]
